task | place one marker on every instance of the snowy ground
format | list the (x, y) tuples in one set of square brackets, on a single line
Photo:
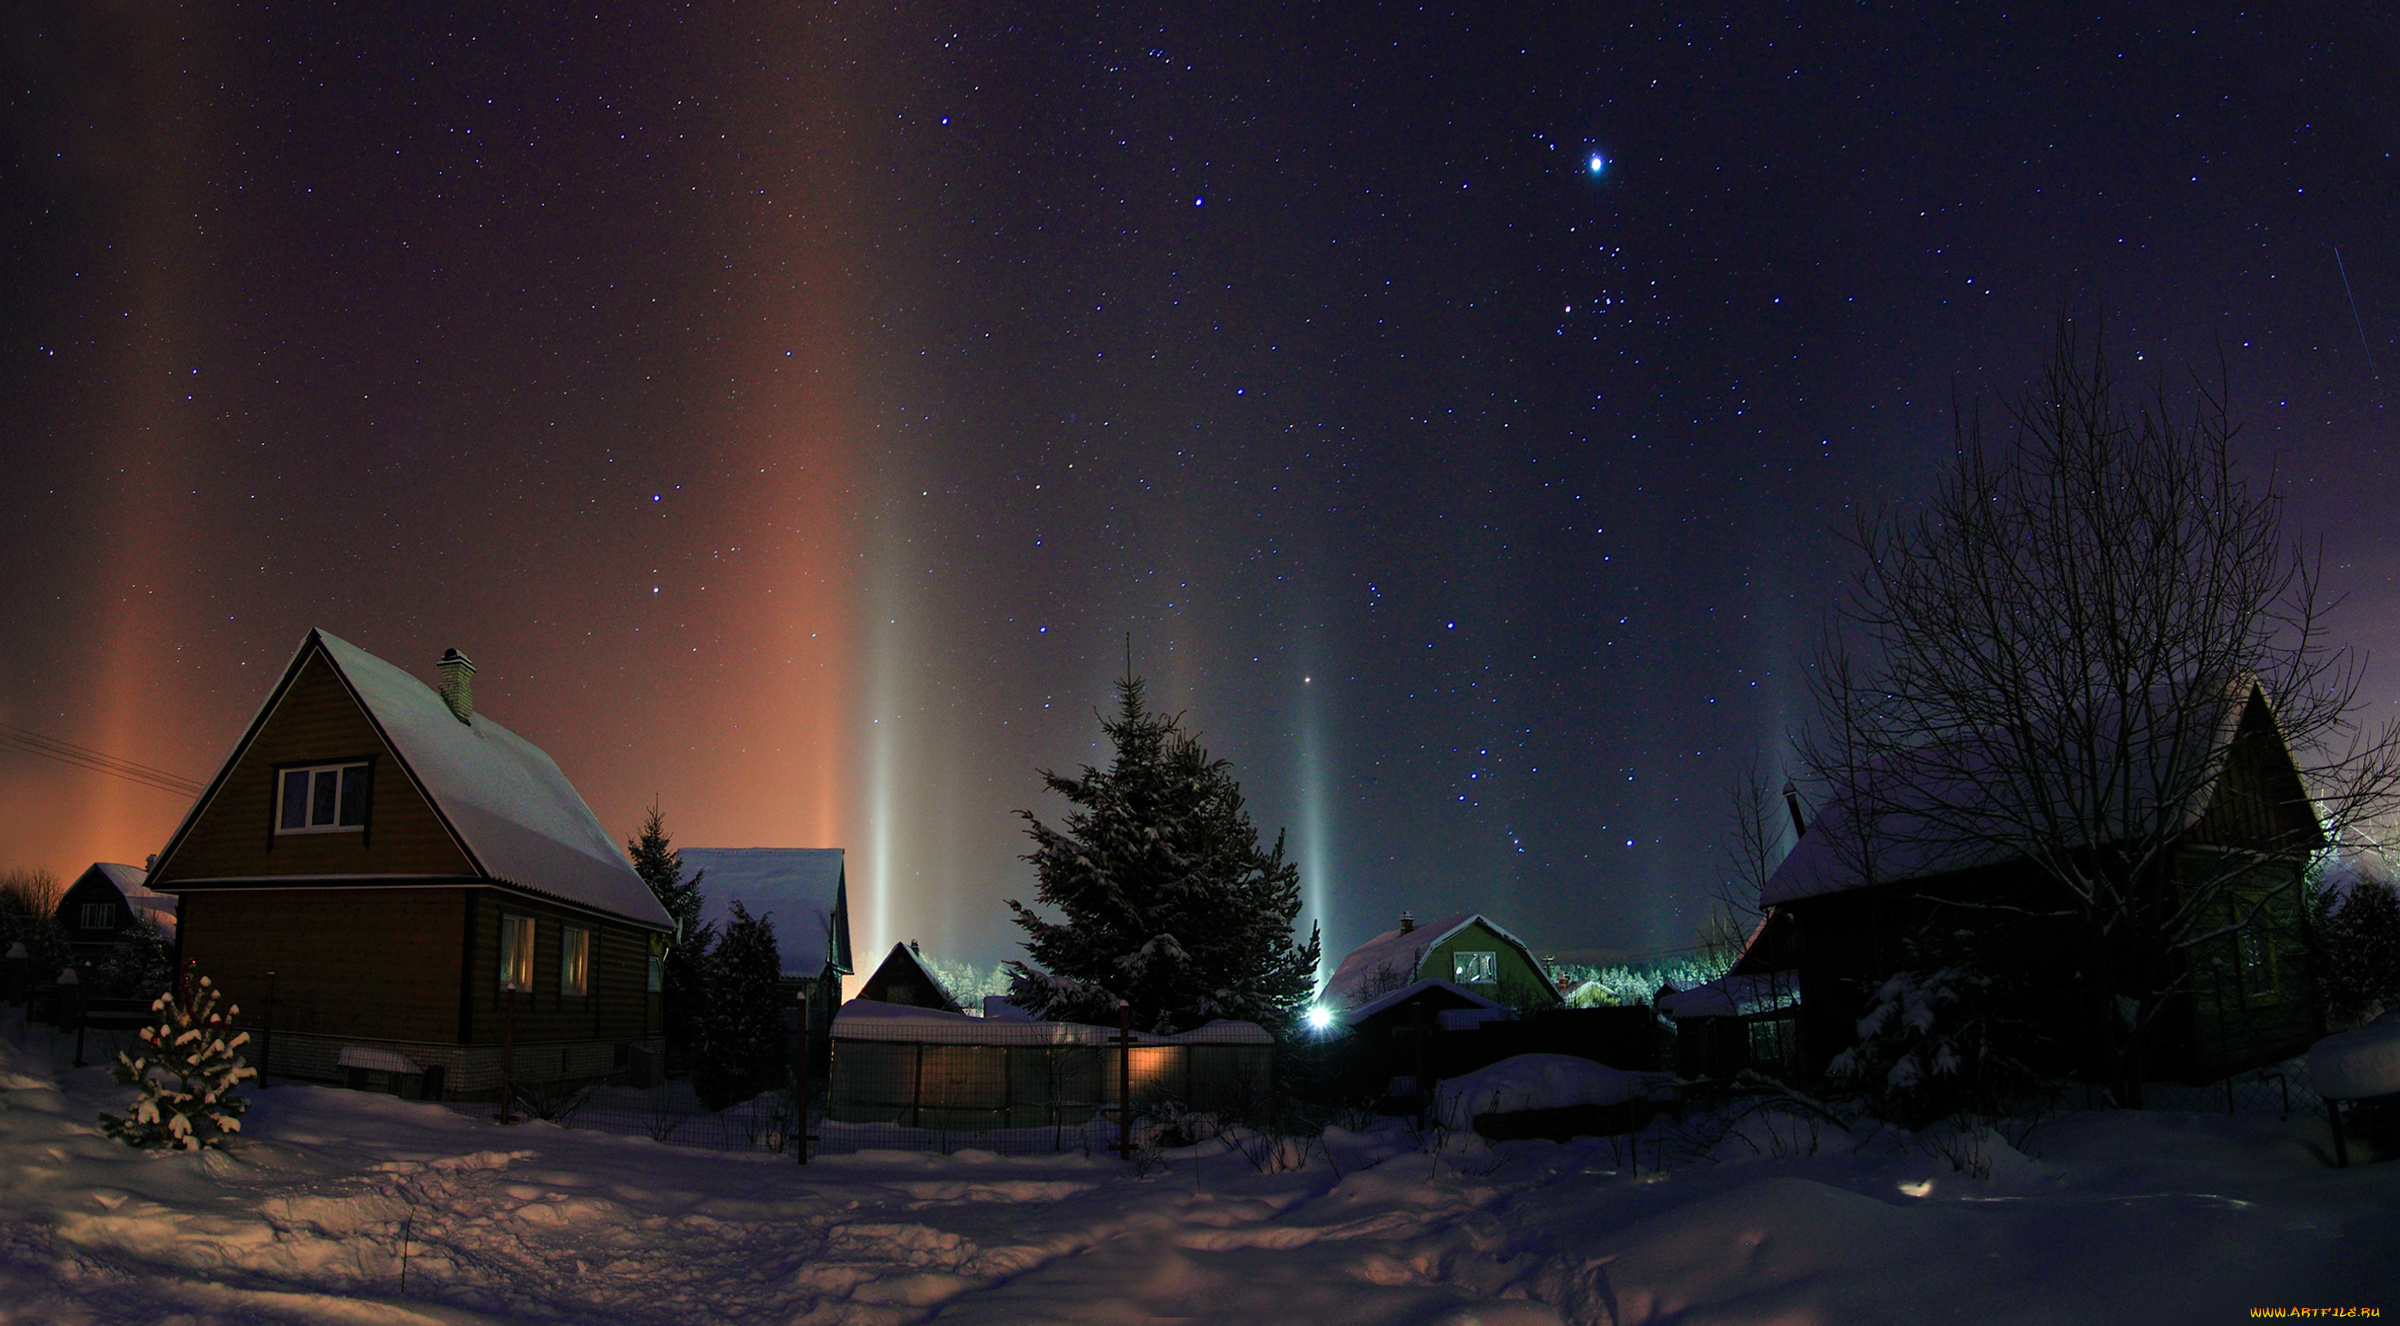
[(2101, 1218)]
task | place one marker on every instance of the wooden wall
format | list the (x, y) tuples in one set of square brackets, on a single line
[(380, 963), (1520, 983), (316, 721), (619, 1007)]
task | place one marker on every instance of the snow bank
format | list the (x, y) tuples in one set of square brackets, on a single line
[(2356, 1064), (1537, 1082)]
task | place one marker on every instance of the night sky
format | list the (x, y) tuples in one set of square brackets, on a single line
[(792, 410)]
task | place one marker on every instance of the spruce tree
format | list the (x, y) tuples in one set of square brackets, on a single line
[(1166, 899), (683, 982), (188, 1074), (738, 1037)]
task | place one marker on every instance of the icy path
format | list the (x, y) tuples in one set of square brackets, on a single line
[(2149, 1218)]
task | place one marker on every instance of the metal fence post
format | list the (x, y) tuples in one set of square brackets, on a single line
[(508, 1056), (800, 1085), (1124, 1080)]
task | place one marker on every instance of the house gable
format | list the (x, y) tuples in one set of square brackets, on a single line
[(312, 718), (905, 979)]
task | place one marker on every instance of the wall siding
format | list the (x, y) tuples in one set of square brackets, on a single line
[(316, 721), (618, 1007), (380, 962)]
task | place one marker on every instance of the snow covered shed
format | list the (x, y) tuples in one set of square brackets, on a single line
[(1903, 849), (105, 900), (905, 979), (1467, 950), (804, 892), (380, 866), (926, 1068)]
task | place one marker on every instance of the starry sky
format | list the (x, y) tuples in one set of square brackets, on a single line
[(793, 410)]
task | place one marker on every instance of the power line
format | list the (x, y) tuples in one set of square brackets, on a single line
[(84, 757)]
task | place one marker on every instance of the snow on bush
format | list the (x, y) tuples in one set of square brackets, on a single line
[(1918, 1049), (1535, 1082), (2357, 1064), (188, 1076)]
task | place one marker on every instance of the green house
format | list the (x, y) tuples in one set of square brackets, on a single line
[(1467, 950)]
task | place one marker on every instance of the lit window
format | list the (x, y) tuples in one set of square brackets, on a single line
[(327, 798), (1469, 968), (516, 952), (575, 961)]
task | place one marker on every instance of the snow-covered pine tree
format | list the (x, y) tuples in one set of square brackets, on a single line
[(189, 1075), (683, 980), (1166, 899), (738, 1035)]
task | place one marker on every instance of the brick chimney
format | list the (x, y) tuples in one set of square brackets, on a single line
[(458, 684), (1408, 924)]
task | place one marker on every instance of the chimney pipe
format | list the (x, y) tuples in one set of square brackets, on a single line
[(1408, 923), (458, 684), (1791, 800)]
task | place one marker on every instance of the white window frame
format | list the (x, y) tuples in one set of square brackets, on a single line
[(574, 961), (98, 916), (517, 935), (1466, 963), (342, 772)]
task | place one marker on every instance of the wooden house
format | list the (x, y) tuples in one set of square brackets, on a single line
[(103, 903), (1844, 907), (803, 893), (1467, 950), (385, 880), (905, 979)]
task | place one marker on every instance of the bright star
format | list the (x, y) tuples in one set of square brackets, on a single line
[(1598, 163)]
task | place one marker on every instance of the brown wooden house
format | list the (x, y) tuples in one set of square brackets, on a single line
[(389, 882), (104, 902), (1843, 907)]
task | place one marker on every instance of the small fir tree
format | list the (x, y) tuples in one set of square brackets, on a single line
[(188, 1074), (2359, 935), (1166, 899), (738, 1035), (682, 982), (139, 966)]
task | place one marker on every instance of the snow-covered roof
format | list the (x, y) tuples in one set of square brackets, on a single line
[(1733, 996), (1392, 998), (516, 815), (800, 889), (511, 812), (903, 963), (1950, 805), (1399, 952)]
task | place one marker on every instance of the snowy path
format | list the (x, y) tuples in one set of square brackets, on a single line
[(2144, 1218)]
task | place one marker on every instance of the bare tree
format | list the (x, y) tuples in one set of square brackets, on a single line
[(2049, 663)]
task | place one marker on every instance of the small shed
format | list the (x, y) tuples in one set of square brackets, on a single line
[(905, 979), (104, 902)]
